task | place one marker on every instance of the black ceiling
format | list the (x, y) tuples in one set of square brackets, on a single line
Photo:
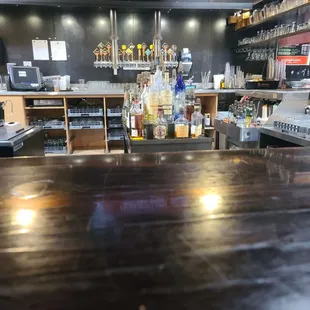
[(155, 4)]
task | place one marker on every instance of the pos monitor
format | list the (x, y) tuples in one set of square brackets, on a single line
[(25, 78)]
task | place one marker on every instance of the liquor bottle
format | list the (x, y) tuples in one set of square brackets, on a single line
[(196, 121), (180, 85), (190, 103), (136, 120), (144, 97), (222, 84), (166, 98), (179, 90), (161, 125), (181, 125), (207, 120), (154, 96), (126, 109)]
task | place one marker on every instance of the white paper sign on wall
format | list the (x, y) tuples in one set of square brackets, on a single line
[(40, 50), (58, 50)]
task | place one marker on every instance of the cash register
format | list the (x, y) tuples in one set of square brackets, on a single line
[(24, 78)]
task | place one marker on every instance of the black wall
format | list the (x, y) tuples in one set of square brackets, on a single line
[(204, 32)]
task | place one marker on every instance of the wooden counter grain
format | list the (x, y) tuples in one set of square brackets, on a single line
[(203, 230)]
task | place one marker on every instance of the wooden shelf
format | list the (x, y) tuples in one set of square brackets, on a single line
[(272, 18), (44, 108), (93, 151)]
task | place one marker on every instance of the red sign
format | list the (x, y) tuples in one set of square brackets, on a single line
[(295, 60)]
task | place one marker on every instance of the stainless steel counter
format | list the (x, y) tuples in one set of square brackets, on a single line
[(274, 94), (286, 136), (241, 137)]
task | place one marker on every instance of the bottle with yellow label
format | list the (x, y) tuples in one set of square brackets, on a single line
[(181, 127)]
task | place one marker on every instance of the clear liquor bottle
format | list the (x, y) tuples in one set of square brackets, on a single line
[(154, 95), (196, 121), (136, 120), (179, 92), (166, 99), (161, 125), (144, 98), (181, 126), (126, 109)]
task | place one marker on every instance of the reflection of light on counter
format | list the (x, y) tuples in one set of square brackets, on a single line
[(135, 158), (25, 217), (210, 202), (189, 157), (237, 160), (29, 197), (78, 161), (108, 159), (163, 157)]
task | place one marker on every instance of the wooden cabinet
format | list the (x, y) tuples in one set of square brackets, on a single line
[(14, 109), (21, 109)]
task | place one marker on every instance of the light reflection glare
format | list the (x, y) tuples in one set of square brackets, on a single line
[(135, 158), (25, 217), (220, 24), (192, 23), (189, 157), (78, 160), (108, 159), (210, 202), (237, 160)]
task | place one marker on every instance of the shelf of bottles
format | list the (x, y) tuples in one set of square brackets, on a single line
[(132, 57), (158, 109)]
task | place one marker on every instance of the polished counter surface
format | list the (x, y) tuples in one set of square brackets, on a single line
[(85, 93), (119, 92), (192, 230)]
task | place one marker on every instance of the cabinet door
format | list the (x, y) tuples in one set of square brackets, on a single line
[(14, 109)]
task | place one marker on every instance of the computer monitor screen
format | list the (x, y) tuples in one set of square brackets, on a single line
[(25, 77)]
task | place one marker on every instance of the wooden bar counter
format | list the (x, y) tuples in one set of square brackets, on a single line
[(193, 230)]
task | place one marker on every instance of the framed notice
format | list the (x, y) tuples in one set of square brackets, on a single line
[(58, 50), (40, 50), (295, 55)]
